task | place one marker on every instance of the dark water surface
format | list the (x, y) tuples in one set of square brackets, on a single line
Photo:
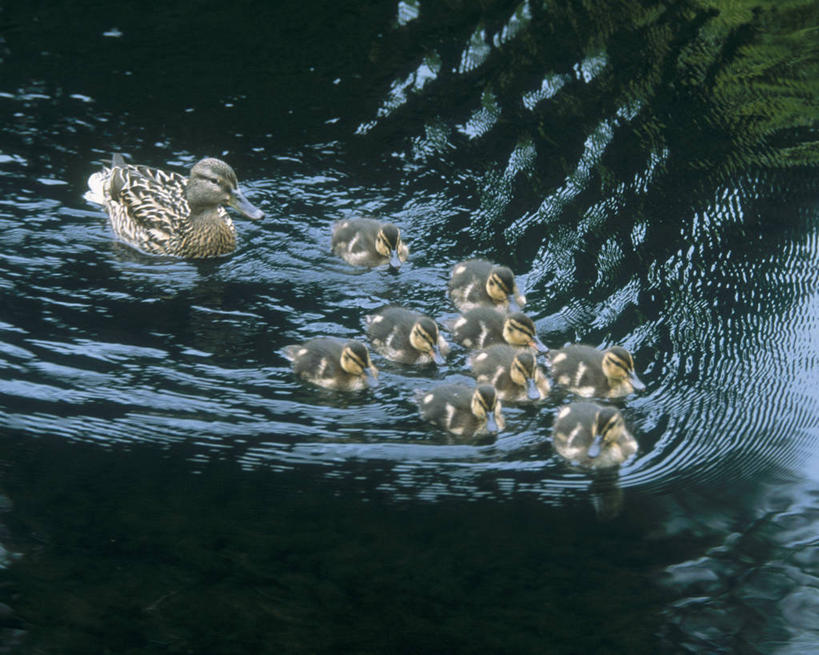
[(648, 170)]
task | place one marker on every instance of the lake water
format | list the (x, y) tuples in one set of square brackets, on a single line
[(648, 172)]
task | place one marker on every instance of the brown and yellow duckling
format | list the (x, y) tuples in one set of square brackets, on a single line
[(164, 213), (332, 363), (368, 242), (513, 372), (482, 326), (589, 372), (406, 336), (477, 282), (592, 436), (462, 410)]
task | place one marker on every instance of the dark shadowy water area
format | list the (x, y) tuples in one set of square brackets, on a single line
[(648, 170)]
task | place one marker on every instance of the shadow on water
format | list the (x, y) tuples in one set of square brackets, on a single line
[(180, 561), (647, 170)]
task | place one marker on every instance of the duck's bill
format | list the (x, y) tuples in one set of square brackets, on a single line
[(437, 357), (243, 205), (596, 446), (395, 260), (636, 382), (491, 423), (531, 389), (538, 345)]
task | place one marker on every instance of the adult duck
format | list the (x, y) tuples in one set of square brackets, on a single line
[(163, 213)]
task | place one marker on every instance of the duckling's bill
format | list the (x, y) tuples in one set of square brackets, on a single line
[(491, 423), (538, 345), (595, 447), (636, 382), (516, 302), (395, 260), (531, 389), (372, 375), (437, 357)]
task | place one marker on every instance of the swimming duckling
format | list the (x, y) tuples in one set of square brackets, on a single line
[(462, 410), (592, 436), (332, 363), (406, 336), (512, 371), (588, 372), (368, 242), (163, 213), (477, 282), (482, 326)]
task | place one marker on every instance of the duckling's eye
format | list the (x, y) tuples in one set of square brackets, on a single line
[(522, 329), (352, 359), (497, 281)]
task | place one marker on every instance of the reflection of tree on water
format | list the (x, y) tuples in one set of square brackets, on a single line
[(596, 106)]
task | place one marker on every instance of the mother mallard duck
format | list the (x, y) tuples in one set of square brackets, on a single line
[(164, 213)]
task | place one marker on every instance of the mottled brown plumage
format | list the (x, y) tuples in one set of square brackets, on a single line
[(163, 213)]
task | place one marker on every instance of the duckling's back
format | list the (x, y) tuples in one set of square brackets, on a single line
[(316, 359), (467, 284), (354, 241), (479, 327), (580, 368), (448, 405)]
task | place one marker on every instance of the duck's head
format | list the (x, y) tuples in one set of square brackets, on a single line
[(388, 243), (486, 406), (424, 338), (519, 330), (523, 371), (355, 360), (618, 367), (213, 183), (502, 288), (608, 427)]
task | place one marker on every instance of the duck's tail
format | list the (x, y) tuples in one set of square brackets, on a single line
[(96, 185)]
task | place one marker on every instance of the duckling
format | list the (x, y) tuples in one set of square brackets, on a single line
[(368, 242), (588, 372), (462, 410), (163, 213), (406, 336), (483, 326), (512, 371), (332, 363), (592, 436), (477, 282)]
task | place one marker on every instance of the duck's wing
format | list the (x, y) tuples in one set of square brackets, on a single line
[(153, 199)]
